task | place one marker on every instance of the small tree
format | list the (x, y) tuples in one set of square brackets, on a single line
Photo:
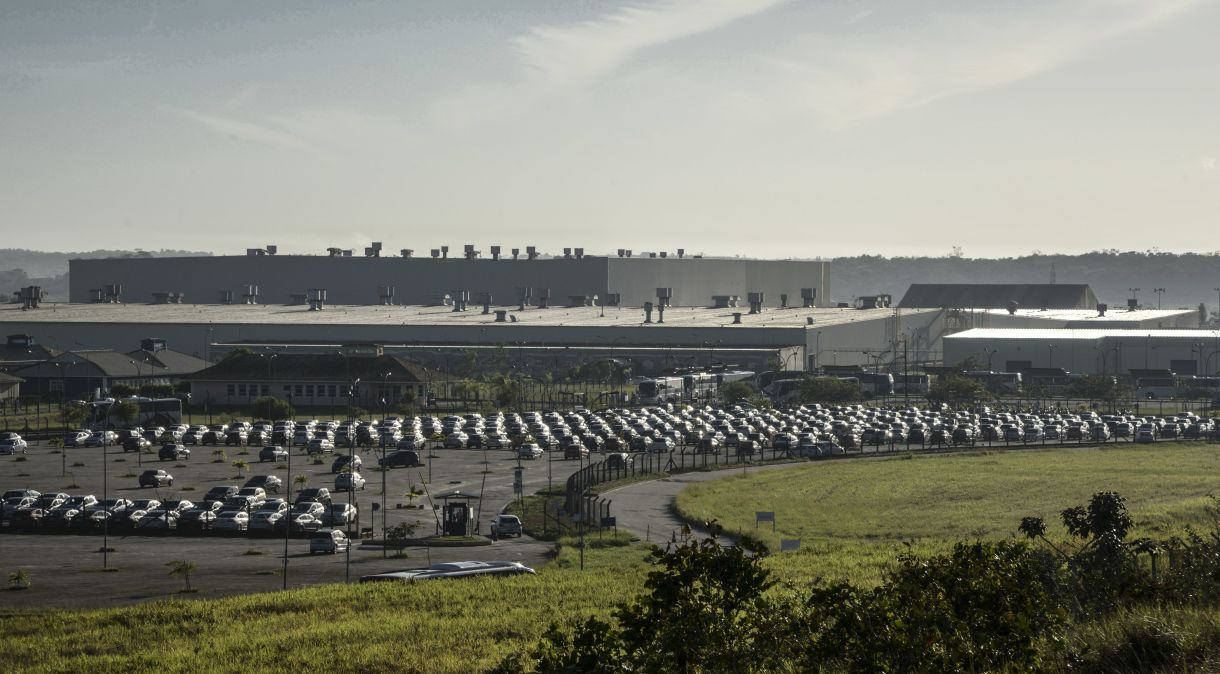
[(19, 579), (956, 389), (301, 480), (182, 568), (828, 390), (734, 391), (268, 407), (219, 455), (122, 391), (241, 467), (126, 411)]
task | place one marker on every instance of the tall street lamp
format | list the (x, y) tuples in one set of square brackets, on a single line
[(1159, 292)]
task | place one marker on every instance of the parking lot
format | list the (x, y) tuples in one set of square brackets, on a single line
[(65, 569), (65, 565)]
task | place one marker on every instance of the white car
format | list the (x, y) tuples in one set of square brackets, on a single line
[(231, 520), (320, 446), (339, 514), (328, 540), (11, 443), (349, 482), (265, 520)]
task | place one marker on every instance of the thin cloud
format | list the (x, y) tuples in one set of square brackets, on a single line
[(844, 79), (1207, 163), (554, 58), (249, 131), (582, 51)]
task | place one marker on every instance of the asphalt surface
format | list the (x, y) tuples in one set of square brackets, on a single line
[(66, 570)]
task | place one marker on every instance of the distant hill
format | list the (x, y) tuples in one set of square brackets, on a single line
[(20, 267), (1188, 279)]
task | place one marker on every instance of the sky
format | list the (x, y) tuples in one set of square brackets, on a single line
[(768, 128)]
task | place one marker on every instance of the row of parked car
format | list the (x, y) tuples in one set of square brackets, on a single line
[(223, 509)]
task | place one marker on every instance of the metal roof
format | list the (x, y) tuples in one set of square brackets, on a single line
[(998, 295), (204, 314), (1064, 334), (1091, 316)]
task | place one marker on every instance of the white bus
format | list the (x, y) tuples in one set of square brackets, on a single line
[(915, 384), (661, 390)]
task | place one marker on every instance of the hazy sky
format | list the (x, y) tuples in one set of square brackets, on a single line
[(754, 127)]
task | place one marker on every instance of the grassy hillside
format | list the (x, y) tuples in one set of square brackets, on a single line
[(853, 517), (437, 626)]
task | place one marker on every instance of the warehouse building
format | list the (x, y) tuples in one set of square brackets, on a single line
[(998, 296), (1114, 352), (530, 280), (653, 338)]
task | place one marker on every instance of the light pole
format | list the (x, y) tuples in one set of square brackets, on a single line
[(288, 501), (108, 513), (1050, 358), (385, 468), (1159, 292)]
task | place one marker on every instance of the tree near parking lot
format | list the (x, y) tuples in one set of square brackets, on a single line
[(182, 568), (954, 388), (126, 411), (828, 390), (268, 407), (734, 391)]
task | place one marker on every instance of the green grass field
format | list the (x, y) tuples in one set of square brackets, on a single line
[(435, 626), (853, 517)]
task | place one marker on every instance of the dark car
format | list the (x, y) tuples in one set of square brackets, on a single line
[(219, 494), (272, 453), (135, 443), (236, 437), (402, 458), (319, 494), (173, 453), (270, 483), (618, 460), (344, 460), (156, 478)]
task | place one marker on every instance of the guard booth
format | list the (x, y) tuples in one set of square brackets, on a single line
[(457, 514)]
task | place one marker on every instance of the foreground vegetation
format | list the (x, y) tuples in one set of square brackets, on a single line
[(439, 626), (855, 517)]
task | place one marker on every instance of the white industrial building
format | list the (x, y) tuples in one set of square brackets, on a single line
[(1088, 351)]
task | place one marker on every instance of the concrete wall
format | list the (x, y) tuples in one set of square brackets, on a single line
[(876, 340), (354, 280)]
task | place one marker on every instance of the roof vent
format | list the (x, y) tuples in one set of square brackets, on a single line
[(756, 300), (622, 252), (580, 253), (316, 297), (809, 320), (525, 296), (470, 252), (249, 294), (460, 299), (1132, 304), (648, 312), (385, 295), (272, 249), (30, 297), (544, 297), (373, 250), (501, 315), (1101, 309), (808, 295), (531, 252), (226, 297), (665, 296), (681, 253), (152, 344), (486, 299), (736, 318), (567, 253), (495, 254), (334, 251), (436, 252), (406, 252), (613, 299), (516, 253), (725, 301), (445, 252), (783, 300), (1012, 306)]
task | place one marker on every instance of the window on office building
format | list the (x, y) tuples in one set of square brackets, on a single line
[(231, 389)]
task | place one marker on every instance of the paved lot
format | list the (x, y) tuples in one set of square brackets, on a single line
[(66, 569)]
